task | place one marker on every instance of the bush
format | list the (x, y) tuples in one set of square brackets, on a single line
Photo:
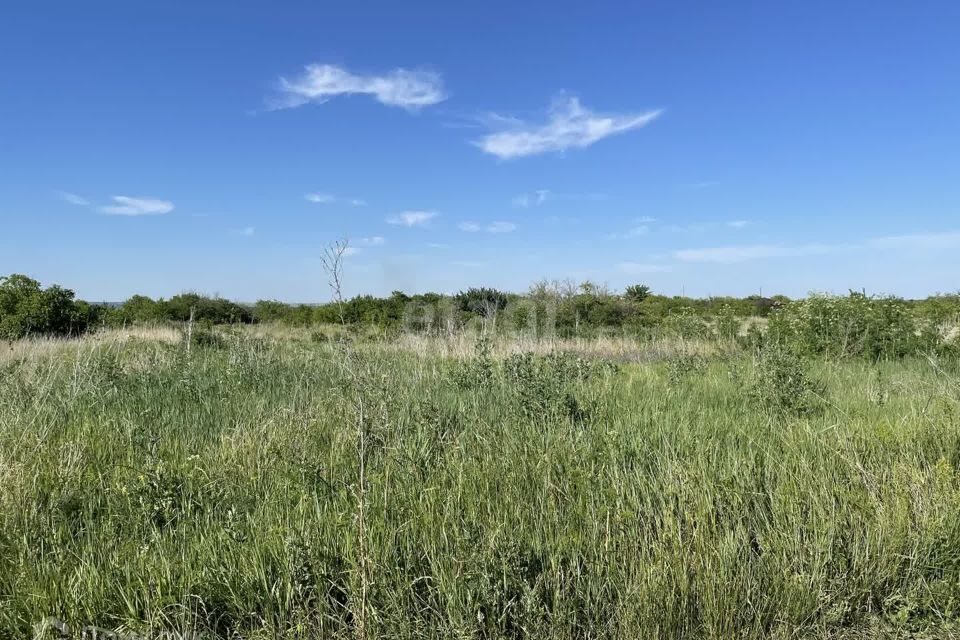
[(484, 302), (26, 309), (637, 292), (205, 337), (856, 325), (783, 384), (685, 366)]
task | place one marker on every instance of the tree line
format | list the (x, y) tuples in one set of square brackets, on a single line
[(822, 323)]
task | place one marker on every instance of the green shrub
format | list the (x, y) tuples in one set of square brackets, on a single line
[(637, 292), (205, 337), (856, 325), (26, 309), (682, 367), (783, 384)]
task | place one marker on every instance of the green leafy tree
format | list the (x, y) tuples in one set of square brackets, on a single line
[(28, 309), (637, 292)]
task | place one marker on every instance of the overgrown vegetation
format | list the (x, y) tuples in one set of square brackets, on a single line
[(787, 472), (148, 486), (26, 309), (821, 325)]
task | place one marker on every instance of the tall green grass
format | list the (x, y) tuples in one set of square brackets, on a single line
[(144, 488)]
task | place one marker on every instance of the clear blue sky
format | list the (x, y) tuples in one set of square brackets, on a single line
[(710, 148)]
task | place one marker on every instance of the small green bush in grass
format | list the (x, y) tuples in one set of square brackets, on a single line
[(783, 383)]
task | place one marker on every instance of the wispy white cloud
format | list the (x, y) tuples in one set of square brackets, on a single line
[(493, 227), (374, 241), (646, 220), (74, 199), (754, 252), (412, 218), (636, 268), (931, 241), (918, 241), (633, 232), (350, 251), (410, 90), (533, 199), (329, 198), (247, 232), (127, 206), (569, 126), (700, 227), (501, 227)]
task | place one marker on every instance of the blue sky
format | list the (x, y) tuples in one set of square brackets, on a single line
[(705, 148)]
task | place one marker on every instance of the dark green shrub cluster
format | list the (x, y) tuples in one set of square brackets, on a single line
[(538, 386), (27, 309), (855, 325), (181, 308), (207, 339), (685, 366), (784, 384)]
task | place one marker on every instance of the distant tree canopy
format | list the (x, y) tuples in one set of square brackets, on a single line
[(483, 302), (637, 292), (818, 324), (28, 309)]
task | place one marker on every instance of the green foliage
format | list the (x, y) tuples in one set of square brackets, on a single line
[(683, 367), (202, 308), (483, 302), (148, 492), (26, 309), (476, 372), (637, 292), (784, 385), (686, 324), (856, 325), (726, 323), (205, 336)]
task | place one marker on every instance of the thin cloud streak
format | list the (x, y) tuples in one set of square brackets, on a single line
[(412, 218), (946, 240), (319, 83), (329, 198), (637, 268), (74, 199), (128, 206), (493, 227), (569, 126)]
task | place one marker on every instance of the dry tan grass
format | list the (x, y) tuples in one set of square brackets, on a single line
[(620, 349), (458, 346), (45, 348)]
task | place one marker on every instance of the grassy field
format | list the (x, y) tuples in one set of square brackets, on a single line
[(267, 486)]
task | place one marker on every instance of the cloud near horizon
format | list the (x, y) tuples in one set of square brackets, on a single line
[(569, 126), (945, 240), (410, 90), (637, 268), (128, 206)]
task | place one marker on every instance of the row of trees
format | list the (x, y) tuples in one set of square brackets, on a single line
[(854, 324), (28, 309)]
